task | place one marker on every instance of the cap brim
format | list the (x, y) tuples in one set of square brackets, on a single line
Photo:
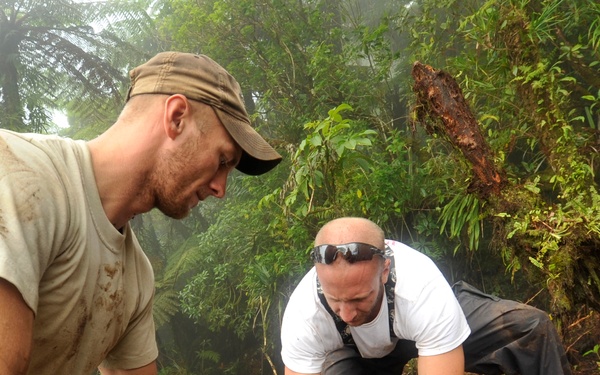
[(258, 156)]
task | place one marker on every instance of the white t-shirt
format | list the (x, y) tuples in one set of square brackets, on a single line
[(90, 286), (426, 311)]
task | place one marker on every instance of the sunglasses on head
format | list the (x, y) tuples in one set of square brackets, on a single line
[(352, 252)]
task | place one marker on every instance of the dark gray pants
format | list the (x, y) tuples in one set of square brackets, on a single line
[(507, 337)]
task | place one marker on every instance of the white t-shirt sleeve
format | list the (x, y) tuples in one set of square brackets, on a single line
[(441, 326), (307, 331), (301, 350), (427, 311)]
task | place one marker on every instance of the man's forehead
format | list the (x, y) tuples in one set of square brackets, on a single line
[(340, 234), (345, 280), (349, 229)]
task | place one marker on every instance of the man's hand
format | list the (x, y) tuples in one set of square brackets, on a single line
[(16, 330), (451, 363), (149, 369)]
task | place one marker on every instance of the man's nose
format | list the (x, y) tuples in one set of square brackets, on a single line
[(347, 312), (218, 185)]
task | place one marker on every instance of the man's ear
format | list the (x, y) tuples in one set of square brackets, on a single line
[(177, 109), (386, 271)]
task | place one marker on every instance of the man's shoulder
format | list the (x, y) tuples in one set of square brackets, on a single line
[(32, 148), (10, 136), (406, 255), (304, 306), (415, 271), (304, 293)]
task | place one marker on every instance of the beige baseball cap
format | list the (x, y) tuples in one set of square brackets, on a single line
[(200, 78)]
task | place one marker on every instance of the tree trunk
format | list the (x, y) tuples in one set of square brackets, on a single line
[(440, 98), (10, 103)]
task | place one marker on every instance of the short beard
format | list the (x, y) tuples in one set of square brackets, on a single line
[(167, 196), (171, 211)]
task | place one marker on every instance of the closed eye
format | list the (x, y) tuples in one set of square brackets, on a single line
[(353, 300), (227, 164)]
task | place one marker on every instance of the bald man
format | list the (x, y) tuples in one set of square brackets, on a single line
[(369, 305)]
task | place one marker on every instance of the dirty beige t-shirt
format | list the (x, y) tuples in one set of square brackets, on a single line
[(90, 287)]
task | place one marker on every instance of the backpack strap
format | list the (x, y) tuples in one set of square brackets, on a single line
[(390, 286)]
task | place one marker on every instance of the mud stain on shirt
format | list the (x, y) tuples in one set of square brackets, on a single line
[(21, 183)]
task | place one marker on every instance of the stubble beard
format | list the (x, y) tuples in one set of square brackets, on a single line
[(166, 180)]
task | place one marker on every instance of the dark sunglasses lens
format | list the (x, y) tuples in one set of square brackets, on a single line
[(330, 251), (324, 254), (361, 251)]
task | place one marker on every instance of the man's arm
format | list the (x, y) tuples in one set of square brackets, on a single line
[(290, 372), (451, 363), (16, 330), (149, 369)]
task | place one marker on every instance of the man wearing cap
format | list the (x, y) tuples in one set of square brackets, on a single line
[(370, 305), (76, 289)]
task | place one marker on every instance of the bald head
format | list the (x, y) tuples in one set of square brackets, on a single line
[(354, 290), (351, 229)]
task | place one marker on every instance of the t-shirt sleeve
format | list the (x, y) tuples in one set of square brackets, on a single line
[(300, 348), (33, 206), (307, 332), (427, 312), (441, 326)]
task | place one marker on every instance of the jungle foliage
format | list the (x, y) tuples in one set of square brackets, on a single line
[(329, 84), (56, 54), (332, 89)]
